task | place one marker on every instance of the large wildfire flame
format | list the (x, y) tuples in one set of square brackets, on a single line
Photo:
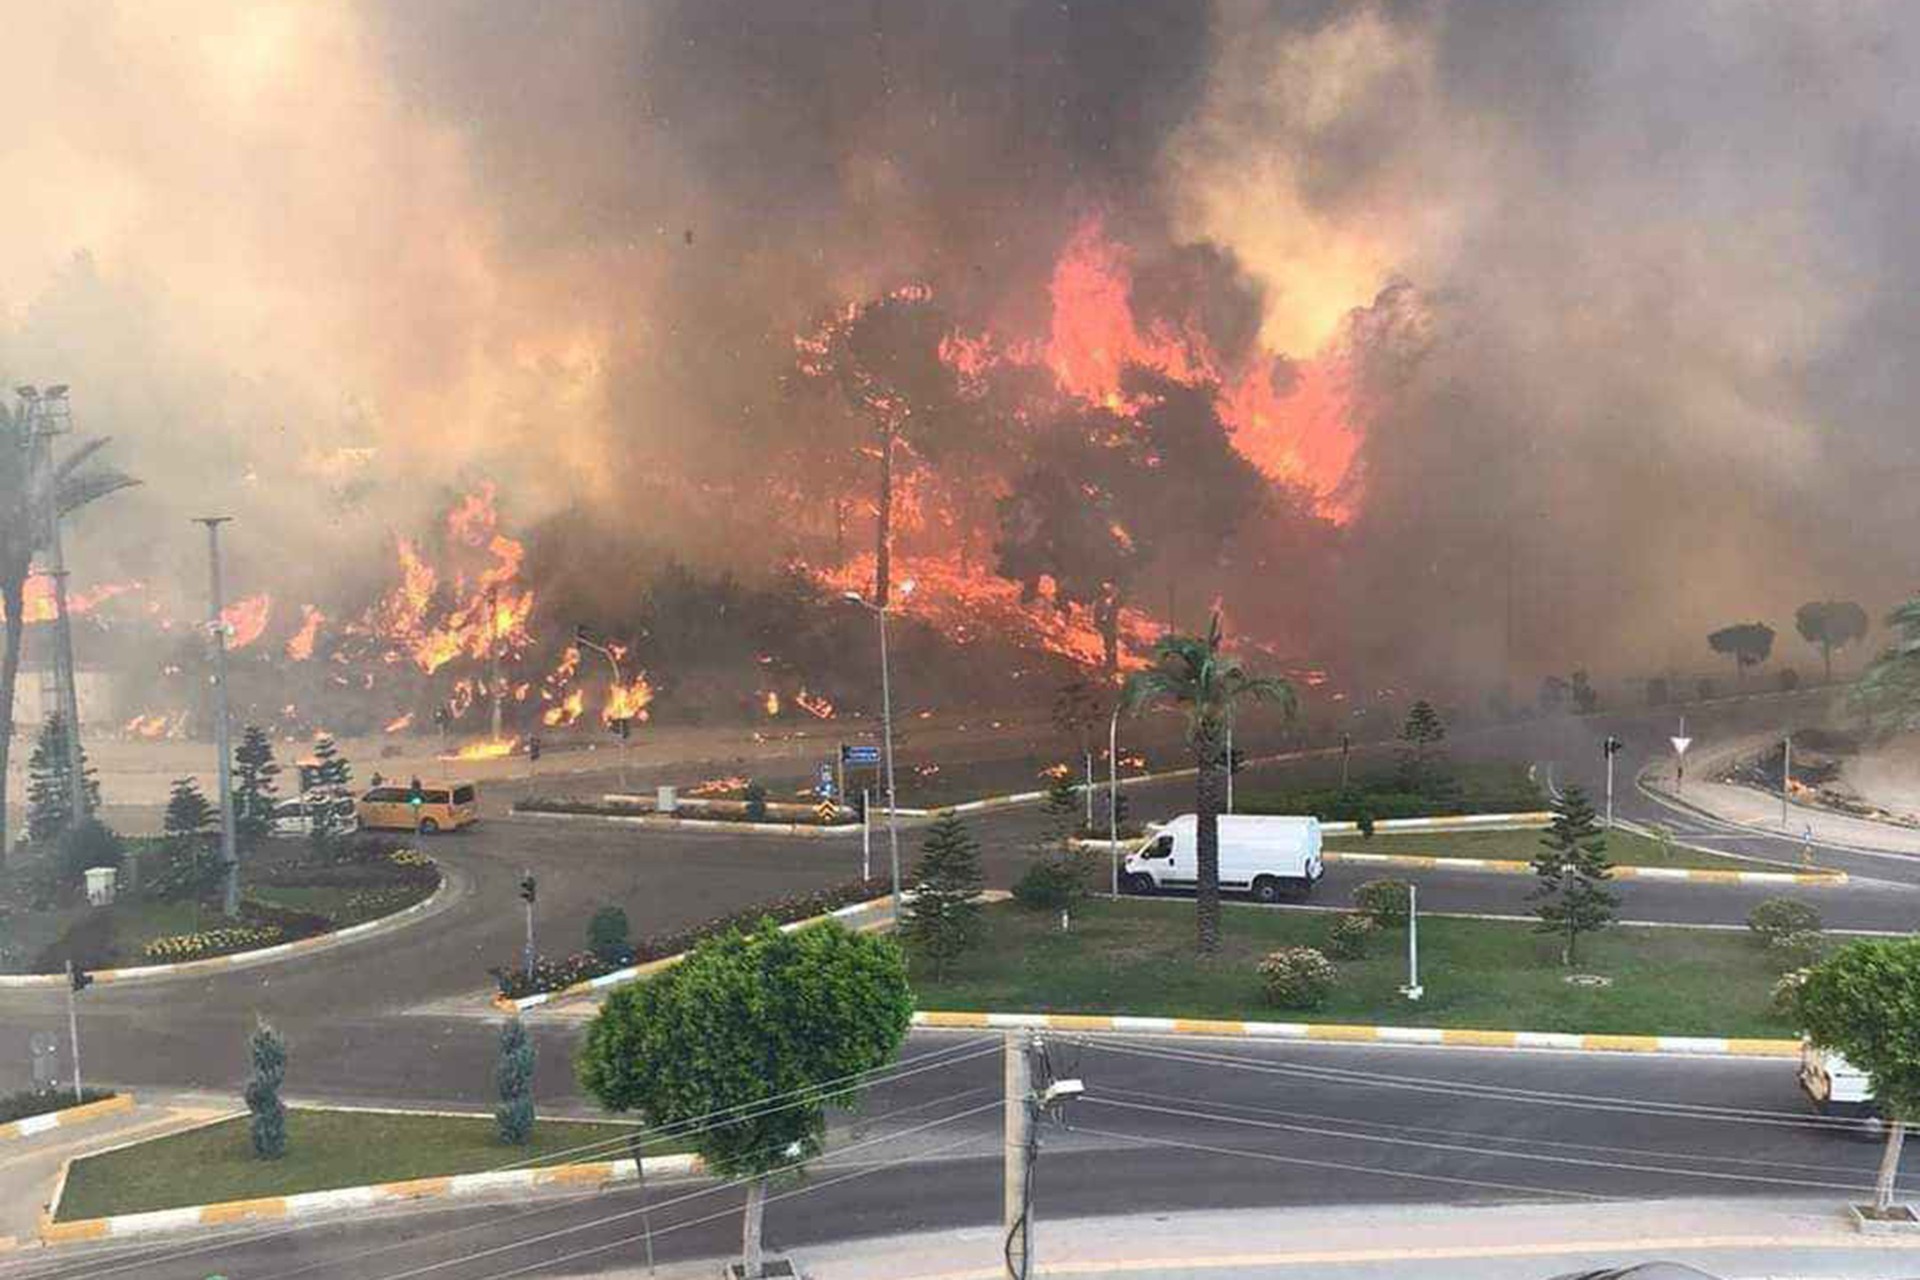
[(38, 598), (246, 619), (1289, 418)]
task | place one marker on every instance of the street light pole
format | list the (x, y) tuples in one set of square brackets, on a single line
[(880, 612), (1113, 799), (580, 637), (1786, 777), (217, 631)]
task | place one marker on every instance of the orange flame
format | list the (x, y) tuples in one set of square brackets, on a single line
[(398, 723), (718, 786), (246, 619), (37, 598), (300, 643), (628, 701), (814, 705), (770, 700), (488, 749), (564, 712)]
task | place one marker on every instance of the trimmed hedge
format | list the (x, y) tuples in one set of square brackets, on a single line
[(551, 973)]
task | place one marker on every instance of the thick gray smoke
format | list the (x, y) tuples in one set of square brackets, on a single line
[(1625, 291)]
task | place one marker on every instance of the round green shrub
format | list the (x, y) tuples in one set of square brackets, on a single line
[(607, 935), (1786, 992), (1051, 884), (1797, 950), (1350, 936), (1386, 902), (1297, 978), (1777, 916), (755, 797)]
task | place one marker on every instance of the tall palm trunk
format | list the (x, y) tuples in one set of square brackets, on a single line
[(1206, 749), (883, 523), (14, 592)]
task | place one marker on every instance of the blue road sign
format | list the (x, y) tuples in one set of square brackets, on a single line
[(856, 757), (823, 786)]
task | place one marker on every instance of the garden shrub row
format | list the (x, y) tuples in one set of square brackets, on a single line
[(551, 973)]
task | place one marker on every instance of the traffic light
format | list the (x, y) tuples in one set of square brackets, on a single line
[(79, 977), (533, 749), (1611, 747), (529, 889), (415, 795), (624, 727)]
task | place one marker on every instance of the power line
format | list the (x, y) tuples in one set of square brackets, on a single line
[(950, 1055), (730, 1212), (729, 1184), (1458, 1148), (1307, 1162), (1324, 1074), (1480, 1136)]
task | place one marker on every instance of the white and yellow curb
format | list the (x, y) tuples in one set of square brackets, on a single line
[(1621, 871), (47, 1120), (1592, 1042), (320, 941), (345, 1199), (806, 829)]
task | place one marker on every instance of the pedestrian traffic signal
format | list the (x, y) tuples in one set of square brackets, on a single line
[(624, 727), (1611, 747), (79, 977), (533, 749), (528, 887)]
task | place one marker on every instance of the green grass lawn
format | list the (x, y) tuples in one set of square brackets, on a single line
[(1136, 957), (1623, 847), (325, 1149)]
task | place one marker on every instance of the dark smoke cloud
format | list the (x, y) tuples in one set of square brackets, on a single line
[(1627, 291)]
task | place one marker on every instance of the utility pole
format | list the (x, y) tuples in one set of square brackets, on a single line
[(1229, 758), (1346, 750), (1610, 748), (866, 834), (1786, 776), (78, 980), (1113, 800), (1413, 989), (217, 632), (1017, 1159), (1089, 756), (880, 612)]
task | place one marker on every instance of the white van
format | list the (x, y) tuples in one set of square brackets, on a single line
[(1264, 856), (1837, 1087)]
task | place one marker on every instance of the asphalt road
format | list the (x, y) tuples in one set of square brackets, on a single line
[(1165, 1125), (392, 1018)]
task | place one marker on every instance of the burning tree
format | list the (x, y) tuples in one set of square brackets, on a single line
[(34, 492), (885, 357), (1111, 492)]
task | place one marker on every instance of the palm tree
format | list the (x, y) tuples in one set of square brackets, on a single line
[(27, 492), (1190, 672)]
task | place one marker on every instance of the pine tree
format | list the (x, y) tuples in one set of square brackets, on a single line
[(188, 813), (254, 771), (269, 1127), (331, 776), (513, 1078), (48, 770), (1572, 865), (1064, 811), (1420, 739), (944, 918)]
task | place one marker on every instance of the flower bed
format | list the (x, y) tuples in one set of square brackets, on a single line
[(208, 943), (551, 973), (784, 814)]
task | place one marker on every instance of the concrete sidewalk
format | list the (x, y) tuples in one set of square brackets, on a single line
[(1746, 807), (30, 1166), (1744, 1239)]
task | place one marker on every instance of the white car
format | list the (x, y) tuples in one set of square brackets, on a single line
[(1836, 1086), (295, 817)]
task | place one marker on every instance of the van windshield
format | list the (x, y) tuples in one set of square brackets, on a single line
[(463, 795)]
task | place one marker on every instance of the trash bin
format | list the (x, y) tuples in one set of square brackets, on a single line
[(100, 885)]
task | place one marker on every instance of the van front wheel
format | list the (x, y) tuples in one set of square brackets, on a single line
[(1137, 883), (1266, 889), (428, 826)]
